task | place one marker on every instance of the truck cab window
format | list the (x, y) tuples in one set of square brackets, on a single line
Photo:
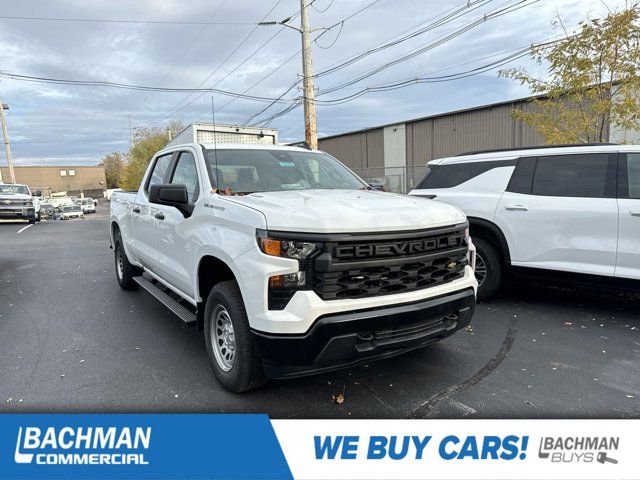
[(159, 171), (185, 173)]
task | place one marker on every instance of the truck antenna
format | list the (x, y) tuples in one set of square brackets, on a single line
[(215, 149)]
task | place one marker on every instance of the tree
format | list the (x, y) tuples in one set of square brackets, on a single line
[(592, 81), (114, 165), (146, 142)]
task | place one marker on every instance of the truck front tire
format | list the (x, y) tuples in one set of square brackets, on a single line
[(236, 362), (124, 270)]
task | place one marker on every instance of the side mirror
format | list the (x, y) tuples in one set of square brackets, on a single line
[(172, 195), (37, 193)]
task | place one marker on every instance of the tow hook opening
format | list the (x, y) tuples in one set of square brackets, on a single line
[(365, 341)]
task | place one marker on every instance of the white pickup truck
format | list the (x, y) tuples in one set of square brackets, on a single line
[(288, 261), (18, 203)]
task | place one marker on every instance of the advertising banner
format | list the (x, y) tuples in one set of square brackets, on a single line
[(253, 447)]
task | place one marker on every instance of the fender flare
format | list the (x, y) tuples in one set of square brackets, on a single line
[(496, 231)]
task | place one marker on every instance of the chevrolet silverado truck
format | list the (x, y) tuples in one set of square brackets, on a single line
[(290, 263), (17, 203)]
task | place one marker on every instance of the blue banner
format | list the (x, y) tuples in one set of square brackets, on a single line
[(126, 446)]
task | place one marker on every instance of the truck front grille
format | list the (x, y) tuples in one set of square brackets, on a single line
[(357, 269)]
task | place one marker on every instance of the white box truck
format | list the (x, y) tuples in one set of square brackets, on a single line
[(209, 133)]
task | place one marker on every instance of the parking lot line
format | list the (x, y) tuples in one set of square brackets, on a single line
[(24, 228)]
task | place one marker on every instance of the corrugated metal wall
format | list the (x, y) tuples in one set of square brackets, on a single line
[(438, 136), (357, 150)]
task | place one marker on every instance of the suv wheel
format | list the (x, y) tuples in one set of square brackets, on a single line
[(488, 268), (124, 270), (236, 363)]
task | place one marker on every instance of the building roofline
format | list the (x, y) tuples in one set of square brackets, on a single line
[(443, 114), (54, 166), (436, 115)]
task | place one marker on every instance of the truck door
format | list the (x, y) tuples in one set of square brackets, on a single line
[(174, 231), (143, 217), (628, 260)]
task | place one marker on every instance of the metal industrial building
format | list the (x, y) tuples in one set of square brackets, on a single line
[(89, 180), (397, 153)]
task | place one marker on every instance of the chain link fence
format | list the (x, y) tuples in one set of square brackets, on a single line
[(393, 179)]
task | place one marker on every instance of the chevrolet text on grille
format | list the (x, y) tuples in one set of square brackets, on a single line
[(390, 249)]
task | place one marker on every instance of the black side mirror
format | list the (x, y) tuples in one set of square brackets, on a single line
[(172, 195)]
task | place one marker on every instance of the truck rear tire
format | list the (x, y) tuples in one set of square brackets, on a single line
[(236, 362), (124, 270), (488, 268)]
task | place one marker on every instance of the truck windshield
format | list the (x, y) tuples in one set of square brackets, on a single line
[(249, 171), (14, 189)]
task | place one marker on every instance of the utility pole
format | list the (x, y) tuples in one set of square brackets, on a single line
[(310, 123), (7, 148)]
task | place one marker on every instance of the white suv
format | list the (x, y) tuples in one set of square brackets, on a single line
[(561, 211)]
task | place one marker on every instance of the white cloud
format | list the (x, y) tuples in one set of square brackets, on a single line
[(184, 55)]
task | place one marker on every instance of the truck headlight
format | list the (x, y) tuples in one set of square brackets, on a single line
[(279, 247)]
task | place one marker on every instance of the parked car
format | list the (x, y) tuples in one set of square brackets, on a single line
[(71, 211), (46, 209), (87, 205), (18, 203), (566, 212), (289, 262)]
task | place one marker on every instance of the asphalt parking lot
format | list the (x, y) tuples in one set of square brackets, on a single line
[(72, 341)]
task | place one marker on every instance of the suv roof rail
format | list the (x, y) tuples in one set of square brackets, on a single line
[(535, 147)]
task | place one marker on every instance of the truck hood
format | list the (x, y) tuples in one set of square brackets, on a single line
[(346, 211), (14, 196)]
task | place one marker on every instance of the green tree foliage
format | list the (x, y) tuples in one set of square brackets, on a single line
[(146, 142), (113, 168), (592, 81)]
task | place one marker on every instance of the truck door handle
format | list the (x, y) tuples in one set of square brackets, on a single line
[(136, 209), (159, 216), (522, 208), (634, 213)]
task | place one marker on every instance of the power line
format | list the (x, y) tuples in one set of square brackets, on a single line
[(128, 86), (103, 20), (431, 45), (193, 40), (513, 55), (177, 108), (447, 16), (297, 82), (321, 11), (85, 140)]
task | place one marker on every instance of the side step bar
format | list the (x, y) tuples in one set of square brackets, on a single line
[(184, 314)]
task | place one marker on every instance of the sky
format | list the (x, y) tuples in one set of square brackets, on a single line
[(52, 124)]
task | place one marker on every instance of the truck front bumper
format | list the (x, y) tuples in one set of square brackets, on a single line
[(343, 339), (17, 212)]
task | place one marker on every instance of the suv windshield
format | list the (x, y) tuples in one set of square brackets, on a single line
[(248, 171), (13, 189)]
